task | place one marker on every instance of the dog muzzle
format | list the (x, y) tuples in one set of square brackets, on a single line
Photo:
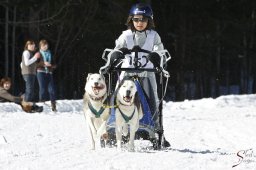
[(96, 89), (127, 99)]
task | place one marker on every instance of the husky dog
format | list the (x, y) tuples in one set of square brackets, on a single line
[(95, 113), (127, 112)]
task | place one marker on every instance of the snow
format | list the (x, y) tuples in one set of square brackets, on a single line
[(204, 134)]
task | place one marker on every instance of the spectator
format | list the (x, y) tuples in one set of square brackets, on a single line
[(5, 96), (5, 85), (28, 71), (45, 76)]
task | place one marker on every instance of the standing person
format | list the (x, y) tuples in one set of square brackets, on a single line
[(44, 75), (5, 96), (28, 71), (141, 34)]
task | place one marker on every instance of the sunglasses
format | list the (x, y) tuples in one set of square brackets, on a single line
[(139, 19)]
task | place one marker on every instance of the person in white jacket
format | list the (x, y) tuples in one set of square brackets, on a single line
[(141, 34), (28, 71)]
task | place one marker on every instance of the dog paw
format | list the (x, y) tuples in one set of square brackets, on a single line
[(105, 136), (92, 148), (119, 149), (131, 149), (119, 145)]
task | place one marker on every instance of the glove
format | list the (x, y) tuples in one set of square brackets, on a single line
[(155, 59), (116, 57), (136, 48), (125, 51)]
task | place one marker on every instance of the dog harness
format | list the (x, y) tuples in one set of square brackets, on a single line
[(126, 118), (102, 108), (148, 45), (94, 111)]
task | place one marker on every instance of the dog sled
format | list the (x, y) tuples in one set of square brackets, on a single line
[(113, 72)]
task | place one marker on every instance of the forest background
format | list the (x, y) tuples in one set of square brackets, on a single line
[(212, 43)]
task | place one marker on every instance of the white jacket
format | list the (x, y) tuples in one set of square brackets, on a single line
[(148, 40)]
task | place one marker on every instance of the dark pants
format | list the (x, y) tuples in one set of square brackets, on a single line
[(30, 87), (46, 85)]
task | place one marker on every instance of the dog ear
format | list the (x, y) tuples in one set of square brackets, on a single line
[(88, 76)]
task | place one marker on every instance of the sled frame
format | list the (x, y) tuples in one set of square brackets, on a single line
[(162, 73)]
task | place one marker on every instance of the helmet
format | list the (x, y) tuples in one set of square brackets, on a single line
[(141, 9)]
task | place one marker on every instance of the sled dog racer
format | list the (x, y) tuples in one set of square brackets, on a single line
[(140, 33)]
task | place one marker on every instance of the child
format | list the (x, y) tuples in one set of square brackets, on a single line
[(140, 33), (44, 75)]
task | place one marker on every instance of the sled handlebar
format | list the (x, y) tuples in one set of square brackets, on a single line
[(133, 69), (164, 54)]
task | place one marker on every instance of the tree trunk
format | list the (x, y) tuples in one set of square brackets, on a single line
[(251, 57), (218, 56), (182, 54), (14, 45), (244, 75), (32, 27), (6, 39), (252, 62)]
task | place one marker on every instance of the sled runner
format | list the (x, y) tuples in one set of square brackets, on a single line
[(114, 73)]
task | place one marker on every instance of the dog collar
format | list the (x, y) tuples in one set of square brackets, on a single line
[(96, 98), (120, 103)]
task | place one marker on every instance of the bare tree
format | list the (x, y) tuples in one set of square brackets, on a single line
[(6, 39), (13, 66)]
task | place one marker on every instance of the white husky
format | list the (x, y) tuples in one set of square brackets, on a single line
[(95, 113), (127, 113)]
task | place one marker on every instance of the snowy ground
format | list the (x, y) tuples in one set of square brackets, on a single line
[(205, 134)]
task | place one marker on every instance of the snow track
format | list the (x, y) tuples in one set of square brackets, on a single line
[(204, 134)]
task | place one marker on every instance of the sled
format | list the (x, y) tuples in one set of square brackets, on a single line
[(112, 70)]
